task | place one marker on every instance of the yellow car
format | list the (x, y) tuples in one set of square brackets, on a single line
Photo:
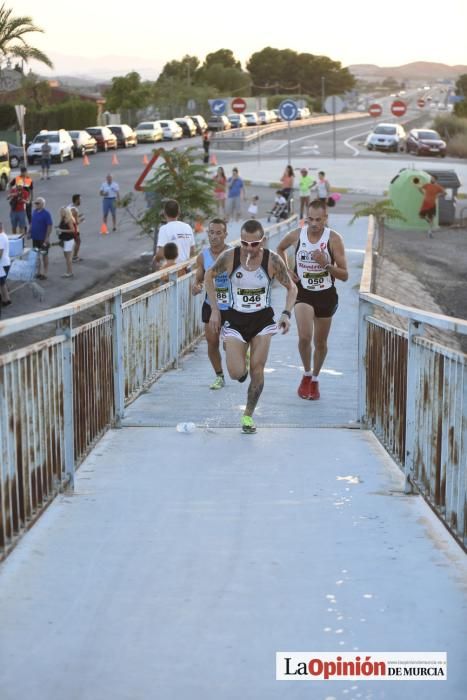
[(4, 165)]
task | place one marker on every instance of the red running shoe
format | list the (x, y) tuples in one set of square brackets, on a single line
[(314, 391), (304, 388)]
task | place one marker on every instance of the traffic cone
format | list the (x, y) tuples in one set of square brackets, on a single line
[(145, 159), (85, 160), (114, 159), (213, 159), (104, 229)]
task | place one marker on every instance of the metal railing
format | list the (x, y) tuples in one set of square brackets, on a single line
[(58, 396), (413, 395)]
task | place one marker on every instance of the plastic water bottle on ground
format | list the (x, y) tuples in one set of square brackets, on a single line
[(186, 427)]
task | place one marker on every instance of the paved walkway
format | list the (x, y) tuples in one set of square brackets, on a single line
[(182, 563)]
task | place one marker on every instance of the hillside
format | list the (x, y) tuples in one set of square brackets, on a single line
[(418, 70)]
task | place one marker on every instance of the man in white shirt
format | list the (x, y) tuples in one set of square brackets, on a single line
[(174, 231), (110, 191), (5, 263)]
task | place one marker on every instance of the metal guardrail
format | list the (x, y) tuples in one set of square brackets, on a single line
[(58, 396), (238, 139), (413, 395)]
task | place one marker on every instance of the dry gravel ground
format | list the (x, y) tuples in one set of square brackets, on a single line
[(428, 273)]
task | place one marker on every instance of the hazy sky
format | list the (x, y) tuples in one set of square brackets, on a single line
[(390, 32)]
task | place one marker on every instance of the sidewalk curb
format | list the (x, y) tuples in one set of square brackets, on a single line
[(341, 190)]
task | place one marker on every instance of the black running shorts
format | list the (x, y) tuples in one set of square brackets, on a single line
[(246, 326), (206, 313), (324, 303)]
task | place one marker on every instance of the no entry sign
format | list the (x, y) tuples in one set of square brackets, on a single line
[(421, 102), (238, 105), (398, 108), (375, 110)]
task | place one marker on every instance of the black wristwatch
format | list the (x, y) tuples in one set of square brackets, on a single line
[(287, 313)]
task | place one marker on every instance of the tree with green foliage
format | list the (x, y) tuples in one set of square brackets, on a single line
[(127, 92), (224, 57), (13, 43), (460, 108), (179, 176), (34, 92), (182, 71), (381, 211)]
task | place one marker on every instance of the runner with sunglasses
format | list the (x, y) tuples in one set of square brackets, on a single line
[(249, 320)]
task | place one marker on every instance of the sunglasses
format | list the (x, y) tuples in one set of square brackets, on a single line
[(251, 244)]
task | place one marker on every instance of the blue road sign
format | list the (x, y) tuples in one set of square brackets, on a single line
[(218, 106), (452, 99), (288, 110)]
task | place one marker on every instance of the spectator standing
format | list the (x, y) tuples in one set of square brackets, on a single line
[(287, 181), (26, 181), (220, 189), (430, 191), (305, 184), (78, 218), (66, 233), (323, 187), (174, 231), (110, 191), (5, 263), (40, 231), (18, 198), (206, 146), (46, 155), (236, 192)]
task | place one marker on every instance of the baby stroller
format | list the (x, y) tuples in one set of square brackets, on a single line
[(282, 205)]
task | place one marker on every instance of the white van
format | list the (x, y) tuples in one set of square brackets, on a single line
[(61, 145)]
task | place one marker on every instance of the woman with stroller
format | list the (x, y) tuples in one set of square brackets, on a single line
[(66, 230), (220, 191)]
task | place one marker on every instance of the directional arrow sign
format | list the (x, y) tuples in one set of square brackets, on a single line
[(398, 108), (238, 105), (421, 102), (217, 106), (288, 110), (375, 110)]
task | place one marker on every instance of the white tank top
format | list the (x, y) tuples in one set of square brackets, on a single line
[(250, 291), (312, 276)]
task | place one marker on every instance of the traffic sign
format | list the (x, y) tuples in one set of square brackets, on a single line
[(398, 108), (191, 105), (421, 102), (238, 105), (375, 110), (288, 110), (333, 104), (217, 106)]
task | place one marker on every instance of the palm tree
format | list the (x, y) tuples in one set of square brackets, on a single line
[(381, 211), (12, 42)]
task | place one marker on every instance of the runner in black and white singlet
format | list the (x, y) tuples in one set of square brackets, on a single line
[(249, 322), (217, 233), (319, 261)]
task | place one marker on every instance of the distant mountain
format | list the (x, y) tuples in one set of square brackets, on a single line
[(98, 69), (419, 70)]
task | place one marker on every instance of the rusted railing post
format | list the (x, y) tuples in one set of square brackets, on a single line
[(118, 361), (64, 327), (414, 329), (174, 321), (364, 310)]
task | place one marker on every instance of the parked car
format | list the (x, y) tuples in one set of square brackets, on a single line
[(4, 165), (386, 137), (200, 123), (218, 122), (171, 130), (237, 121), (251, 118), (425, 142), (276, 114), (265, 116), (104, 137), (149, 132), (188, 126), (60, 143), (83, 142), (16, 155), (305, 112), (126, 136)]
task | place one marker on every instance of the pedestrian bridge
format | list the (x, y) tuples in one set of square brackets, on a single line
[(174, 565)]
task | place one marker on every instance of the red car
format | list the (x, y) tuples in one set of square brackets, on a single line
[(104, 137)]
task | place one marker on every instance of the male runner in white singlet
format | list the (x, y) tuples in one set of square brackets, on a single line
[(319, 260), (249, 321)]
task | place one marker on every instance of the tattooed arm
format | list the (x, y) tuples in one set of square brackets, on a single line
[(223, 264), (278, 270)]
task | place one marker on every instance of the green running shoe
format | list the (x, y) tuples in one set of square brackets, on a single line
[(218, 383), (248, 425)]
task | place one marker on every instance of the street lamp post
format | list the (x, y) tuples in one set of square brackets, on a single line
[(323, 92)]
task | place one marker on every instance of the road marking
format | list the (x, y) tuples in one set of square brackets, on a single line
[(351, 138), (321, 133)]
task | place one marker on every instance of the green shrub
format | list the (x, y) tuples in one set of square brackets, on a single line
[(72, 114), (7, 117), (448, 125), (457, 146)]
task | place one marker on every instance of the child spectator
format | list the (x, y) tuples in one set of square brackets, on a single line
[(253, 208)]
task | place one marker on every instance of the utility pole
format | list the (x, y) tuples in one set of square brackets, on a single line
[(323, 92)]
